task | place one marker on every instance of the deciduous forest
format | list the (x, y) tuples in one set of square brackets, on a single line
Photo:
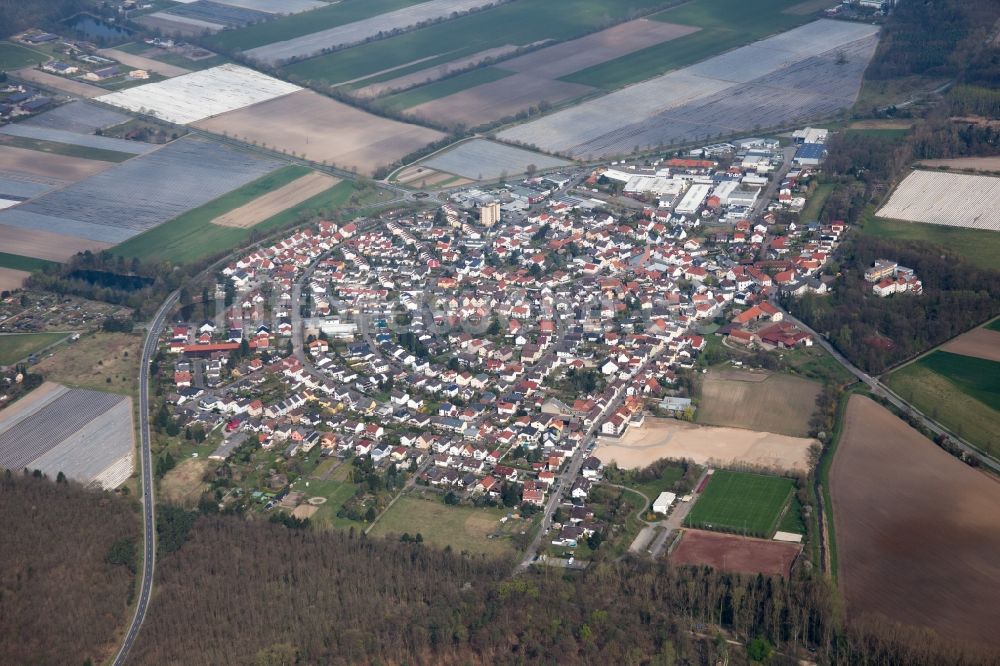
[(67, 557)]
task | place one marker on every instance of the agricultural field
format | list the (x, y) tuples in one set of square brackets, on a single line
[(424, 178), (717, 26), (142, 62), (42, 167), (199, 95), (480, 159), (99, 144), (463, 528), (272, 203), (191, 236), (944, 402), (704, 445), (87, 435), (323, 130), (62, 149), (14, 56), (514, 23), (376, 86), (18, 346), (780, 403), (528, 80), (978, 378), (804, 74), (949, 199), (314, 43), (78, 116), (43, 245), (922, 549), (983, 164), (12, 278), (98, 361), (978, 247), (61, 83), (162, 184), (21, 263), (726, 552), (742, 503)]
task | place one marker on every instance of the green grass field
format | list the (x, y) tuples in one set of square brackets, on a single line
[(187, 63), (20, 263), (981, 248), (792, 520), (978, 378), (191, 237), (464, 528), (741, 503), (15, 347), (296, 25), (725, 25), (13, 56), (443, 88), (336, 493), (947, 400), (520, 23), (994, 325), (814, 206), (67, 149), (652, 489)]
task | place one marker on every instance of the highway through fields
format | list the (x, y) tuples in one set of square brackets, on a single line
[(146, 467), (883, 391)]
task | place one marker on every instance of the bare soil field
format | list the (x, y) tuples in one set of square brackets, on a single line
[(272, 203), (771, 403), (917, 530), (49, 165), (420, 77), (323, 130), (304, 511), (499, 99), (141, 62), (979, 342), (70, 86), (578, 54), (988, 164), (44, 244), (45, 393), (183, 484), (884, 124), (11, 279), (416, 174), (733, 553), (705, 445)]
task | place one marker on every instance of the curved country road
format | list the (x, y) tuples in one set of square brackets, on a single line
[(146, 466)]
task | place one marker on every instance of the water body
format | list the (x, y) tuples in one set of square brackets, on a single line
[(96, 29)]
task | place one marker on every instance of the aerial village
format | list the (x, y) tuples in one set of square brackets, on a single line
[(479, 350)]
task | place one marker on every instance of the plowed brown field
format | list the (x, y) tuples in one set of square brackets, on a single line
[(918, 532), (733, 553), (979, 342)]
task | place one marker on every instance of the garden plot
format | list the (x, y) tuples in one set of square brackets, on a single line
[(143, 192), (85, 434), (199, 95), (809, 72), (949, 199), (75, 139), (358, 31), (77, 116), (480, 159), (324, 130)]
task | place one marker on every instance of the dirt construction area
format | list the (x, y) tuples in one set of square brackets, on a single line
[(918, 531), (705, 445), (323, 130), (758, 401), (733, 553), (979, 342), (272, 203)]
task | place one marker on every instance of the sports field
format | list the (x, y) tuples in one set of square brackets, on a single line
[(742, 503), (980, 247), (17, 346), (961, 392), (461, 527), (191, 236)]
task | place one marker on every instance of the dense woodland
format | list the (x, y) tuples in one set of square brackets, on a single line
[(18, 15), (65, 571), (876, 333)]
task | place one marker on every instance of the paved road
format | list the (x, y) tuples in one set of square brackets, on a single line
[(146, 467), (881, 390)]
